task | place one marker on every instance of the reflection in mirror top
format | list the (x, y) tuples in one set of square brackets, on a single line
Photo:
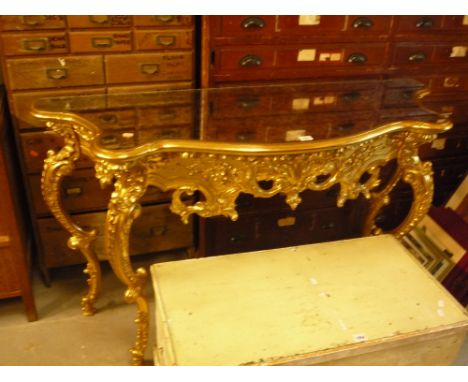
[(246, 114)]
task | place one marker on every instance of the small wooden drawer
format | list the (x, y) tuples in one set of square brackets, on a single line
[(97, 41), (35, 146), (17, 44), (163, 40), (156, 230), (329, 55), (113, 139), (82, 192), (99, 21), (239, 26), (111, 119), (415, 55), (245, 103), (22, 102), (165, 116), (319, 101), (161, 21), (283, 62), (431, 25), (32, 22), (37, 73), (154, 67), (164, 132), (418, 24), (279, 228), (234, 131), (326, 27)]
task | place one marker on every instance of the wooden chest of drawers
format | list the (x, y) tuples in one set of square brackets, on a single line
[(73, 55), (261, 49), (15, 245)]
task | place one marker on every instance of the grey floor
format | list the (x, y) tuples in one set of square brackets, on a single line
[(62, 336)]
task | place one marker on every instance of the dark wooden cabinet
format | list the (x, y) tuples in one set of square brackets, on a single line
[(267, 49), (15, 259), (45, 56)]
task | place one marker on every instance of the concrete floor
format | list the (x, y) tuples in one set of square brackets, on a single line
[(62, 336)]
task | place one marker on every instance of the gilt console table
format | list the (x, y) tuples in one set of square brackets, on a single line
[(260, 140)]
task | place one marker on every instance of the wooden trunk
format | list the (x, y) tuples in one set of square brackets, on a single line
[(363, 301)]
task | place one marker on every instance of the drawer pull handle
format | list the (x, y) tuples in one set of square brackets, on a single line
[(32, 20), (327, 226), (149, 68), (363, 22), (253, 22), (165, 40), (351, 96), (102, 42), (286, 222), (164, 19), (357, 58), (108, 118), (158, 231), (248, 103), (346, 126), (109, 139), (250, 60), (36, 45), (424, 23), (99, 19), (245, 136), (417, 57), (407, 94), (166, 115), (73, 191), (57, 74)]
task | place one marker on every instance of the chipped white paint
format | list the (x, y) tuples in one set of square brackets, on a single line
[(342, 324), (313, 281)]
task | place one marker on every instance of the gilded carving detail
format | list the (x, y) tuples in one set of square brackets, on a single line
[(221, 178), (56, 166)]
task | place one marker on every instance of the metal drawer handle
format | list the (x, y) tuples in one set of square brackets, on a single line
[(73, 191), (149, 68), (99, 19), (108, 139), (167, 114), (164, 19), (36, 45), (357, 58), (250, 60), (253, 22), (158, 231), (248, 103), (417, 57), (108, 118), (166, 40), (346, 126), (102, 42), (363, 22), (32, 20), (57, 74), (327, 226), (245, 136), (351, 96), (424, 23), (407, 94)]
